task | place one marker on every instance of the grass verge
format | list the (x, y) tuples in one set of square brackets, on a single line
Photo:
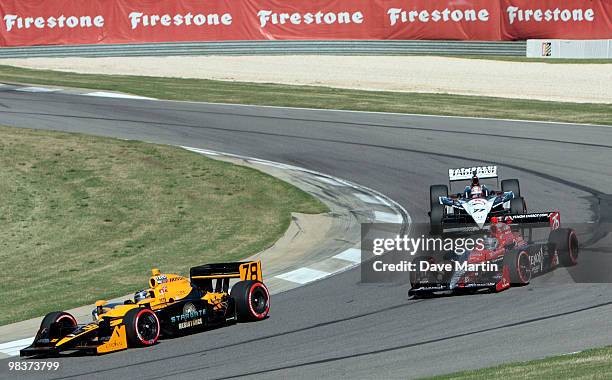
[(589, 364), (84, 218), (318, 97)]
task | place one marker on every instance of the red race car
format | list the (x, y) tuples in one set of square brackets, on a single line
[(506, 255)]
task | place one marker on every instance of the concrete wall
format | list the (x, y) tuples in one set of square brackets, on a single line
[(569, 48)]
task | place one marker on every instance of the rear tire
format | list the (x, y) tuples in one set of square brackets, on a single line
[(517, 206), (435, 192), (565, 241), (57, 325), (511, 185), (520, 268), (141, 327), (436, 221), (252, 300)]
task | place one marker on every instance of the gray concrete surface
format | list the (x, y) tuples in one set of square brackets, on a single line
[(338, 327)]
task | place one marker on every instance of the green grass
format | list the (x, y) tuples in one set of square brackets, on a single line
[(553, 61), (318, 97), (84, 218), (589, 364)]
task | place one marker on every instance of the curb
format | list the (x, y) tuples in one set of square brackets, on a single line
[(70, 91), (351, 204)]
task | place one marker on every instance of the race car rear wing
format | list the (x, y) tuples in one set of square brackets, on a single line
[(202, 276), (465, 174), (536, 220), (532, 226), (548, 218)]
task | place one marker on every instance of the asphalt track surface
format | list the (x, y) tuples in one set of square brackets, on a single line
[(339, 327)]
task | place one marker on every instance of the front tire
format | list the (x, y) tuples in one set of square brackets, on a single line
[(519, 266), (565, 242), (57, 325), (252, 300), (141, 327), (436, 221), (511, 185), (435, 192), (517, 206)]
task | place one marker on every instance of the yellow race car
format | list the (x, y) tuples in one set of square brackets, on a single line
[(172, 305)]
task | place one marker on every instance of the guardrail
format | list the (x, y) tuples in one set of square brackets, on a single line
[(273, 48)]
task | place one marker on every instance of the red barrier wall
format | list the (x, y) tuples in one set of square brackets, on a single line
[(46, 22)]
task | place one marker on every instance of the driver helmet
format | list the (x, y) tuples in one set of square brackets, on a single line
[(475, 181), (476, 191), (490, 243), (140, 295), (498, 228)]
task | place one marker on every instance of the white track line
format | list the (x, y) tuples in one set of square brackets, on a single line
[(37, 89), (394, 113), (303, 275), (352, 254), (268, 163), (12, 348), (201, 151), (103, 94), (330, 181), (372, 199), (387, 217)]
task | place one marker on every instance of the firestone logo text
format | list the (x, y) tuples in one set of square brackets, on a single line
[(516, 14), (328, 18), (140, 19), (398, 15), (12, 22)]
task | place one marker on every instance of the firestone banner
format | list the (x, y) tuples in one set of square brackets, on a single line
[(71, 22)]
